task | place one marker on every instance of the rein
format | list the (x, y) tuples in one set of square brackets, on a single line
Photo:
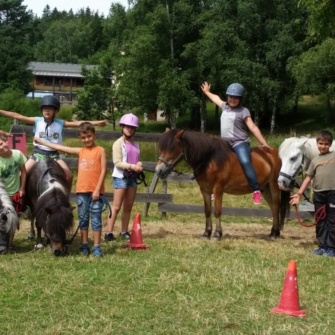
[(319, 215)]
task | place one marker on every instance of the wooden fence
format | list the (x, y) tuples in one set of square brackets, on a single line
[(164, 200)]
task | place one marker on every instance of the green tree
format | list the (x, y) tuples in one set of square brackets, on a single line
[(70, 38), (15, 49), (315, 74), (96, 100), (321, 18)]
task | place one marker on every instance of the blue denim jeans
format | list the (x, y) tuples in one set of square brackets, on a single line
[(243, 154), (124, 183), (86, 207)]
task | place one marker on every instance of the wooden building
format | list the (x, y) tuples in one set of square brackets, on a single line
[(60, 79)]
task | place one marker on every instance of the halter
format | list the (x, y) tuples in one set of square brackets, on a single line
[(292, 178), (171, 165)]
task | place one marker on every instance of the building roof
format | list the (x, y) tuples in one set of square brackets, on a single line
[(58, 69)]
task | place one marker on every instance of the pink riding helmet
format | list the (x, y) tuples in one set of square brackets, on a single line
[(129, 120)]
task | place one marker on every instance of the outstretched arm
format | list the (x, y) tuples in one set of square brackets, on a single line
[(205, 87), (75, 124), (296, 197), (17, 116), (256, 132), (58, 147)]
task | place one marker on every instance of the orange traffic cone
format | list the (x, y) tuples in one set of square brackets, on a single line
[(136, 235), (289, 300)]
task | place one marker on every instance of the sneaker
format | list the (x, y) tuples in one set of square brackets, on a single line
[(319, 251), (125, 235), (257, 197), (330, 253), (97, 252), (84, 250), (110, 237)]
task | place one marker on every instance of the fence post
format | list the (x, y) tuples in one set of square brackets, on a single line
[(150, 190)]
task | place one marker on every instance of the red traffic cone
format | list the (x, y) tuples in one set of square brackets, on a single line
[(289, 300), (136, 235)]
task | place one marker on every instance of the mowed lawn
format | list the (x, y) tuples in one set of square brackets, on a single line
[(181, 284)]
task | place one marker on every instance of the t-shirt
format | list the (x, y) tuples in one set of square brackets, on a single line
[(51, 132), (10, 171), (322, 170), (233, 126), (89, 170)]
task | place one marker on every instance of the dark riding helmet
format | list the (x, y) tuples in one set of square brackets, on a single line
[(50, 100), (235, 90)]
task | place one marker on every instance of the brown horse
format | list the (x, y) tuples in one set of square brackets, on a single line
[(217, 170)]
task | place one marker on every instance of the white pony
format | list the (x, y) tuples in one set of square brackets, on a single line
[(9, 220), (296, 154)]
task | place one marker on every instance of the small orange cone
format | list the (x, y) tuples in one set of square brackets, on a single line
[(289, 300), (136, 235)]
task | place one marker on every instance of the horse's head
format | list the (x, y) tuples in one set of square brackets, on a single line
[(291, 152), (170, 148), (58, 222)]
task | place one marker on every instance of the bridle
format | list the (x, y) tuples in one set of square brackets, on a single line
[(292, 178), (171, 166), (181, 156)]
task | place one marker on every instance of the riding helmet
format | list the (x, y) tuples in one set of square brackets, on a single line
[(129, 120), (50, 100), (235, 90)]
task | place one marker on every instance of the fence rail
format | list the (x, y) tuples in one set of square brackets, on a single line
[(164, 199)]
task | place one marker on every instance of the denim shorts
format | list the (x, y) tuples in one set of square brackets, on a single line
[(87, 207), (124, 183), (40, 154)]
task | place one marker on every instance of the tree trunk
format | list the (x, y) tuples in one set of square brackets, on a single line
[(203, 115), (273, 117)]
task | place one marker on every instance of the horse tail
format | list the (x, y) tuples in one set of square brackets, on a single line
[(284, 207)]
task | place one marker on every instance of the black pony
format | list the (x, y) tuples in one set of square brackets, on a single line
[(9, 221), (47, 196)]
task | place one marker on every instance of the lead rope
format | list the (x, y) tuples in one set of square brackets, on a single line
[(319, 215)]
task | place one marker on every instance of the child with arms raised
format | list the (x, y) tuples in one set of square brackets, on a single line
[(92, 165)]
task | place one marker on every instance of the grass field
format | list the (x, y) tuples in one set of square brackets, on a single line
[(181, 284)]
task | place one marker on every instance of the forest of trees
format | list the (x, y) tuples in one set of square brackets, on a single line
[(158, 52)]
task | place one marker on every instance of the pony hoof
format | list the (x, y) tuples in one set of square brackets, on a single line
[(38, 246), (216, 238), (205, 236)]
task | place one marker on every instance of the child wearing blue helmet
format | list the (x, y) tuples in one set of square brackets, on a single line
[(49, 128), (235, 122)]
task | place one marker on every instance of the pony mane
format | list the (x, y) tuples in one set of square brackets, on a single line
[(205, 147), (55, 203), (201, 148), (286, 146)]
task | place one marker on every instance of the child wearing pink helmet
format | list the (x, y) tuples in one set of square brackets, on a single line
[(126, 159)]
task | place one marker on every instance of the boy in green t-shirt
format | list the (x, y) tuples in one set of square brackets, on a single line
[(12, 173)]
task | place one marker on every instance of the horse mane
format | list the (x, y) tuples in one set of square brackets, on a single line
[(9, 219), (205, 147), (199, 148)]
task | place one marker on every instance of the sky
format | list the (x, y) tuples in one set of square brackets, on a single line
[(102, 6)]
